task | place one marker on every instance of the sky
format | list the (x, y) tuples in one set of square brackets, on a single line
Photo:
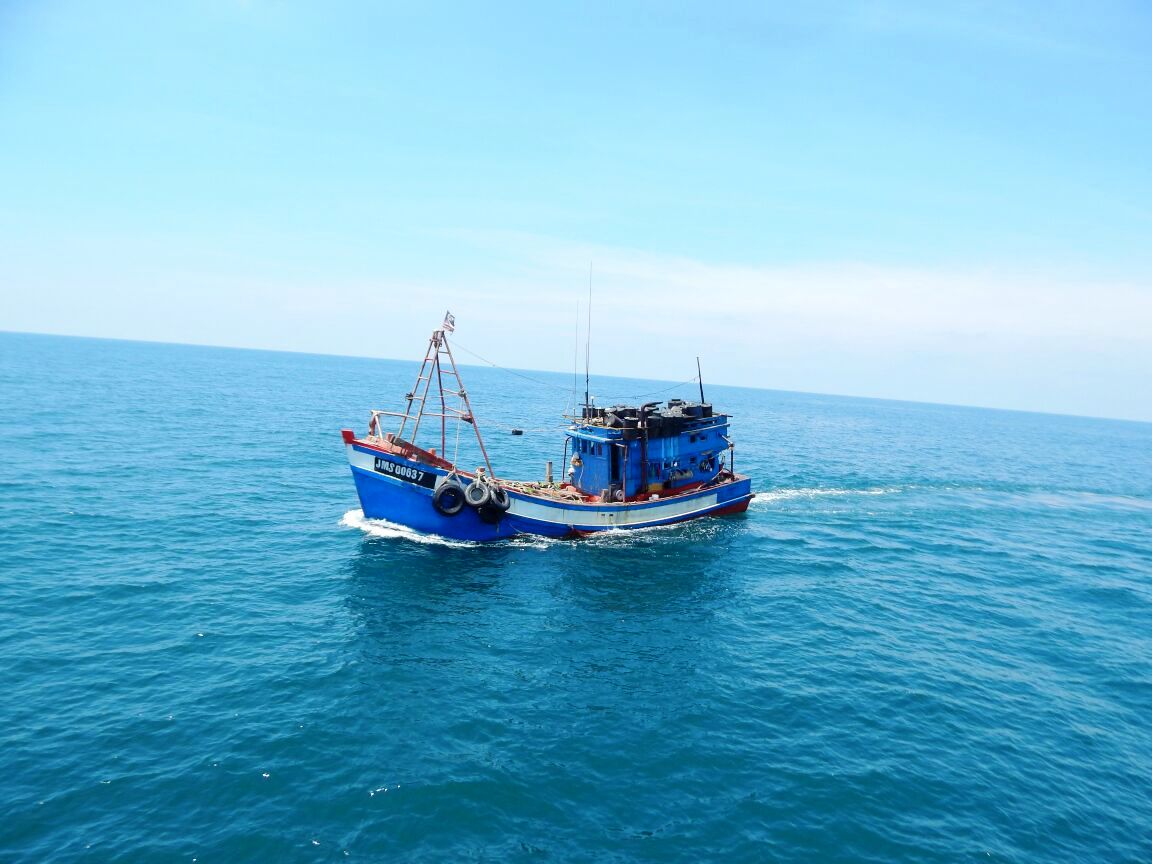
[(946, 202)]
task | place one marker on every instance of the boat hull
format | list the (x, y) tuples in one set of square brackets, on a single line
[(400, 490)]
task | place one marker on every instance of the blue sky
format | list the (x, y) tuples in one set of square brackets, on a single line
[(936, 201)]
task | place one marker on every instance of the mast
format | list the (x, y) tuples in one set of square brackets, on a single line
[(467, 416), (588, 339), (700, 380), (576, 361), (439, 364)]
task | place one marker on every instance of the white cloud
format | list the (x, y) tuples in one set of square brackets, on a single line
[(1024, 339), (1060, 341)]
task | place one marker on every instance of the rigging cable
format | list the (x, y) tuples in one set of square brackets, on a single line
[(691, 380), (456, 343), (511, 371)]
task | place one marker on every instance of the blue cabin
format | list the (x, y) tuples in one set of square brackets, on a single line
[(624, 453)]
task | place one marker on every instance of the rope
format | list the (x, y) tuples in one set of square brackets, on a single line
[(510, 371), (554, 386), (508, 428), (456, 451), (691, 380)]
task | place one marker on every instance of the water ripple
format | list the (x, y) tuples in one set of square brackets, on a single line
[(927, 640)]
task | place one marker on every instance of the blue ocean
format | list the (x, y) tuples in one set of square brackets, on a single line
[(928, 640)]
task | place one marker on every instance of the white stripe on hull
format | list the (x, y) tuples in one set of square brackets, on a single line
[(591, 516), (609, 515)]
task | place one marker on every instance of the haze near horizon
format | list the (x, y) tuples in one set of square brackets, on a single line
[(947, 204)]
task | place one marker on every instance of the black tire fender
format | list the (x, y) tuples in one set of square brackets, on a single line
[(498, 499), (489, 514), (477, 494), (449, 498)]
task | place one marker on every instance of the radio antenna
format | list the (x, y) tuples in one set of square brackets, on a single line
[(588, 338), (576, 360)]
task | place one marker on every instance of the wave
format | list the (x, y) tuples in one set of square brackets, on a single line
[(1080, 499), (770, 496), (391, 531), (384, 529), (978, 494)]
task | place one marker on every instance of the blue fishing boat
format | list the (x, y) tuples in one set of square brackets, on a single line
[(627, 466)]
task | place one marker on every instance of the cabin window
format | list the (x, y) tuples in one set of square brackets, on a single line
[(583, 446), (597, 449), (692, 439)]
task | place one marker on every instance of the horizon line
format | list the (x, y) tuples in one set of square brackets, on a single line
[(490, 365)]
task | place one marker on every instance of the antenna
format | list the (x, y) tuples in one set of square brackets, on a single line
[(700, 380), (588, 337), (576, 359)]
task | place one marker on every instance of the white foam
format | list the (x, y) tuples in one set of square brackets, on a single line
[(616, 535), (391, 531), (763, 499)]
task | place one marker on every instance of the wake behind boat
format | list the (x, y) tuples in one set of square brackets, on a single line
[(630, 467)]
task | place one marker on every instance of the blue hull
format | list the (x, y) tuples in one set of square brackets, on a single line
[(408, 503), (405, 504)]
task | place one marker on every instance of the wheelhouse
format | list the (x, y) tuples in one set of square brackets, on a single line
[(627, 453)]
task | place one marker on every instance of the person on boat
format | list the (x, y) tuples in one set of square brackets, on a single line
[(572, 466)]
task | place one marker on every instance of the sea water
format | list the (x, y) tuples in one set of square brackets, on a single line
[(929, 639)]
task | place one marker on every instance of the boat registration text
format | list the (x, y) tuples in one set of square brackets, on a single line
[(405, 472)]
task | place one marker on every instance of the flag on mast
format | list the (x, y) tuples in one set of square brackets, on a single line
[(449, 322)]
